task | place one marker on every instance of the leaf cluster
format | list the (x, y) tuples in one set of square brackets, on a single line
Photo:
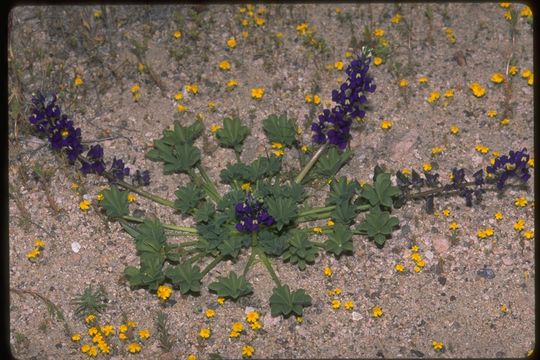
[(284, 302), (301, 251), (232, 134), (280, 129), (263, 167), (232, 286), (175, 149)]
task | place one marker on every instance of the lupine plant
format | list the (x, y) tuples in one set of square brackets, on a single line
[(263, 213)]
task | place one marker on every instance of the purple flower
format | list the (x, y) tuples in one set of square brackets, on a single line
[(251, 215), (334, 125), (118, 169), (515, 164)]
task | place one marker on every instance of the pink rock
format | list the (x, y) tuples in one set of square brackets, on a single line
[(440, 244)]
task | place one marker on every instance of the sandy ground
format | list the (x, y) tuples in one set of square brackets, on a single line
[(447, 301)]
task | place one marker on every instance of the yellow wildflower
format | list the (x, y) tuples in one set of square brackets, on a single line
[(256, 325), (505, 121), (491, 113), (260, 21), (437, 345), (386, 124), (210, 313), (403, 83), (93, 331), (248, 350), (436, 150), (164, 292), (252, 316), (122, 336), (134, 348), (519, 224), (497, 78), (205, 333), (257, 93), (477, 89), (423, 80), (378, 32), (246, 186), (520, 202), (449, 93), (434, 96), (220, 300), (399, 267), (328, 271), (481, 148), (231, 43), (317, 230), (454, 225), (498, 215), (78, 80), (336, 304), (508, 15), (232, 83), (278, 153), (526, 73), (214, 128), (177, 34), (396, 19), (531, 163), (131, 197), (181, 108), (192, 88), (529, 234), (513, 70), (144, 334), (330, 222), (225, 65), (530, 81), (179, 96), (76, 337), (305, 149), (135, 89), (338, 65), (505, 5), (426, 167), (84, 205), (107, 329), (377, 61), (526, 12), (504, 308), (377, 311), (237, 327)]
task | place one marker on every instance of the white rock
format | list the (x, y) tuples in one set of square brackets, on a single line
[(75, 246), (429, 255), (248, 309), (441, 244), (356, 316)]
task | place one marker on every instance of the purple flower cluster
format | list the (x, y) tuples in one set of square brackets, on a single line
[(251, 214), (47, 120), (334, 125), (515, 164)]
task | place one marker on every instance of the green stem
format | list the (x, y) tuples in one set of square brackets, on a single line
[(322, 213), (237, 155), (268, 266), (184, 244), (318, 244), (310, 164), (211, 187), (250, 262), (196, 258), (185, 229), (212, 265), (143, 193)]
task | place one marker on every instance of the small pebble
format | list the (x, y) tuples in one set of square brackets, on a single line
[(75, 246), (356, 316), (486, 273), (417, 353)]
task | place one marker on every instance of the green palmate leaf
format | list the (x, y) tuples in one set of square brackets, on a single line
[(283, 210), (233, 286), (330, 162), (237, 171), (176, 158), (339, 240), (214, 231), (378, 225), (205, 212), (188, 197), (232, 134), (265, 167), (115, 202), (261, 168), (150, 274), (231, 247), (301, 251), (382, 192), (183, 134), (285, 302), (344, 213), (186, 276), (151, 238), (280, 129), (273, 244), (341, 190), (295, 191)]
